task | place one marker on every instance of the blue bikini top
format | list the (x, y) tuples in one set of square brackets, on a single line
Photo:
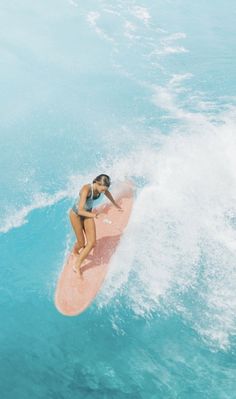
[(89, 202)]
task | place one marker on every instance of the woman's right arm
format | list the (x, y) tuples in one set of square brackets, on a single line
[(83, 197)]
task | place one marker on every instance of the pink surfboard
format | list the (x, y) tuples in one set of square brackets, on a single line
[(74, 295)]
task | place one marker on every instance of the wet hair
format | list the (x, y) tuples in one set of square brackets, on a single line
[(103, 179)]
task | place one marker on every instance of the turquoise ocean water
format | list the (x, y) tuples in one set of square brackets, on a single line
[(143, 90)]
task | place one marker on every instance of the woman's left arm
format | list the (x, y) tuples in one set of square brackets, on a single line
[(109, 196)]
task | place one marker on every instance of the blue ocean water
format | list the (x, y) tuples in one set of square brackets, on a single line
[(143, 90)]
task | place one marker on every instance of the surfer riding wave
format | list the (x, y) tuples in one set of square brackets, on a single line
[(82, 217)]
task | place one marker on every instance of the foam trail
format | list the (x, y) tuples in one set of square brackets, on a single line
[(18, 217), (179, 249)]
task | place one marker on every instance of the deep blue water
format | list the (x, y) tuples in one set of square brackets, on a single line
[(139, 90)]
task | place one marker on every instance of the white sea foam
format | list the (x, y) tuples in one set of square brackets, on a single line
[(93, 17), (17, 217), (130, 30), (172, 50), (178, 254), (73, 3), (166, 44), (141, 13)]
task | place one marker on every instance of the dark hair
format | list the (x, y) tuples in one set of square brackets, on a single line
[(103, 179)]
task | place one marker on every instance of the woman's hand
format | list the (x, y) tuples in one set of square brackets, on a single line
[(95, 215)]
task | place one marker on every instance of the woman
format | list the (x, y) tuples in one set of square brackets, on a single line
[(82, 217)]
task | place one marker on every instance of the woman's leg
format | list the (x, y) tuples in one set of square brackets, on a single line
[(90, 231), (77, 225)]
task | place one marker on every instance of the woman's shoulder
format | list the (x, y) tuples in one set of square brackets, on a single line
[(85, 189)]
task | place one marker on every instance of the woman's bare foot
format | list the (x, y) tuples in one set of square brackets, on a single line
[(77, 270), (80, 274), (74, 269)]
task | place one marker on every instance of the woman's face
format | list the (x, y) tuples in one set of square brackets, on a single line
[(100, 187)]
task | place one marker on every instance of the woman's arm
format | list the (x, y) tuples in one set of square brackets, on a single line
[(83, 197), (109, 196)]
